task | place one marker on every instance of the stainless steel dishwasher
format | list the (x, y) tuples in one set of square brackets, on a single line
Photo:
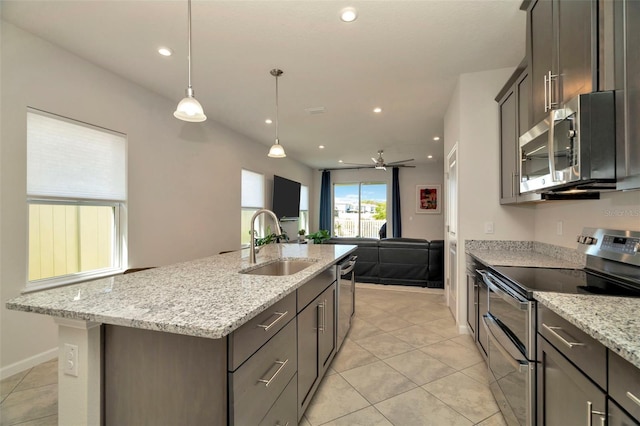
[(346, 298)]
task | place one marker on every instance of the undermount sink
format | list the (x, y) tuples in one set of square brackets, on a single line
[(279, 268)]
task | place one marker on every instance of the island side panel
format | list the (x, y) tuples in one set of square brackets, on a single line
[(151, 377)]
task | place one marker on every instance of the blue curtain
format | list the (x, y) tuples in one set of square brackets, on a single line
[(325, 201), (395, 204)]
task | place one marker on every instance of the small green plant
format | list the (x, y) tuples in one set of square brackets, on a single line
[(269, 238), (302, 232), (320, 236)]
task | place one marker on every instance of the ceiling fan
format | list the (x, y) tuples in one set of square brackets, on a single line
[(379, 163)]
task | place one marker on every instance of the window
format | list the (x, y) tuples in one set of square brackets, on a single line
[(76, 191), (360, 209), (303, 222), (252, 200)]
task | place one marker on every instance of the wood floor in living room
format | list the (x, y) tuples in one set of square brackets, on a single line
[(403, 363)]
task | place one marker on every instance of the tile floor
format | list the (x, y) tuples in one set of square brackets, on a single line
[(403, 363)]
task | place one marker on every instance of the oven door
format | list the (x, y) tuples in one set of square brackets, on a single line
[(513, 311), (511, 376)]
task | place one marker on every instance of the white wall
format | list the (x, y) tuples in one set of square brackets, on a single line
[(427, 226), (183, 178), (471, 121), (614, 210)]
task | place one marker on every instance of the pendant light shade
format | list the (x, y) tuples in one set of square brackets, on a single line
[(189, 109), (276, 151)]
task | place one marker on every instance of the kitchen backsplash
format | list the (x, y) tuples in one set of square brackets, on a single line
[(564, 253)]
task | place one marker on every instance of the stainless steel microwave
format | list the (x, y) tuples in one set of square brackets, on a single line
[(573, 149)]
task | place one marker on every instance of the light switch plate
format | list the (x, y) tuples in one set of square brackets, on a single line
[(488, 227)]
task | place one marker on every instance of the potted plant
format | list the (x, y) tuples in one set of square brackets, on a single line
[(320, 236), (301, 235)]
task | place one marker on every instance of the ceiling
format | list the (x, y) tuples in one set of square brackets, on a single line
[(401, 56)]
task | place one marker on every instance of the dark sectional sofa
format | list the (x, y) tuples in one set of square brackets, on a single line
[(405, 261)]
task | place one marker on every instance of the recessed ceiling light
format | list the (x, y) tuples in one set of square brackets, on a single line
[(165, 51), (340, 161), (348, 14), (436, 138), (321, 146), (268, 121), (429, 156), (377, 110)]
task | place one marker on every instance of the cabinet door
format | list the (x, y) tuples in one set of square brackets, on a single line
[(483, 309), (575, 28), (508, 140), (523, 95), (618, 417), (628, 152), (307, 352), (327, 328), (565, 395), (540, 18)]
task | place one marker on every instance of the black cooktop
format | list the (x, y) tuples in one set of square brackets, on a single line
[(576, 281)]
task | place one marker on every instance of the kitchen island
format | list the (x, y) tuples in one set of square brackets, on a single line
[(205, 299)]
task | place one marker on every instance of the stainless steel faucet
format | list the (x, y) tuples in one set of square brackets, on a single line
[(252, 244)]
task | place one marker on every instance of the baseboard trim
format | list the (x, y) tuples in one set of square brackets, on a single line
[(463, 329), (27, 363)]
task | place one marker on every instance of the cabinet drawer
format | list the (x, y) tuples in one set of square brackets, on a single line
[(251, 336), (624, 384), (256, 385), (313, 288), (583, 350), (285, 410)]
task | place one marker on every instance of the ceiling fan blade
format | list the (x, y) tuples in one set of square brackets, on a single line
[(360, 164), (399, 162), (404, 165)]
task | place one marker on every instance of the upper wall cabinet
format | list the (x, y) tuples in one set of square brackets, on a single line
[(513, 104), (627, 42), (562, 40)]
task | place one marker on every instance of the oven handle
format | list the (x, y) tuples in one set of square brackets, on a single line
[(351, 264), (504, 344), (489, 280)]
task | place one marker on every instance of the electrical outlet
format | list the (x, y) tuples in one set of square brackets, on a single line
[(71, 359), (488, 227), (559, 227)]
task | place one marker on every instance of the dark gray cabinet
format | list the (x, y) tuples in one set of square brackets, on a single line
[(513, 104), (565, 395), (316, 344), (472, 304), (627, 24), (562, 42), (618, 417)]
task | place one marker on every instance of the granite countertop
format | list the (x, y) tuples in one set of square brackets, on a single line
[(206, 297), (613, 321)]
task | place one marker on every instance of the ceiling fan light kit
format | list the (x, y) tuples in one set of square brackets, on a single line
[(189, 109), (276, 151)]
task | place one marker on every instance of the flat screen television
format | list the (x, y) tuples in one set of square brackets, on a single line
[(286, 198)]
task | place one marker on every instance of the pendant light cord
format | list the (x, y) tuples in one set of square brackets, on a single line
[(189, 53), (277, 113)]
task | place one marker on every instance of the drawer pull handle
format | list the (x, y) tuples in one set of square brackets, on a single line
[(280, 315), (634, 398), (591, 412), (267, 382), (552, 330)]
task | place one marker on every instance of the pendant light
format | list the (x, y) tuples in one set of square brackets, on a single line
[(189, 109), (276, 151)]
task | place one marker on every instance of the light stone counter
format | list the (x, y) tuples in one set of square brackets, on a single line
[(613, 321), (206, 297)]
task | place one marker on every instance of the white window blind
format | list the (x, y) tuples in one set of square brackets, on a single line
[(68, 159), (252, 189), (304, 198)]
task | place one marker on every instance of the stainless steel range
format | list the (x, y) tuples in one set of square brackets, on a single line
[(612, 268)]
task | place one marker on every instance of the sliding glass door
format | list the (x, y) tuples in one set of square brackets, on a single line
[(359, 209)]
